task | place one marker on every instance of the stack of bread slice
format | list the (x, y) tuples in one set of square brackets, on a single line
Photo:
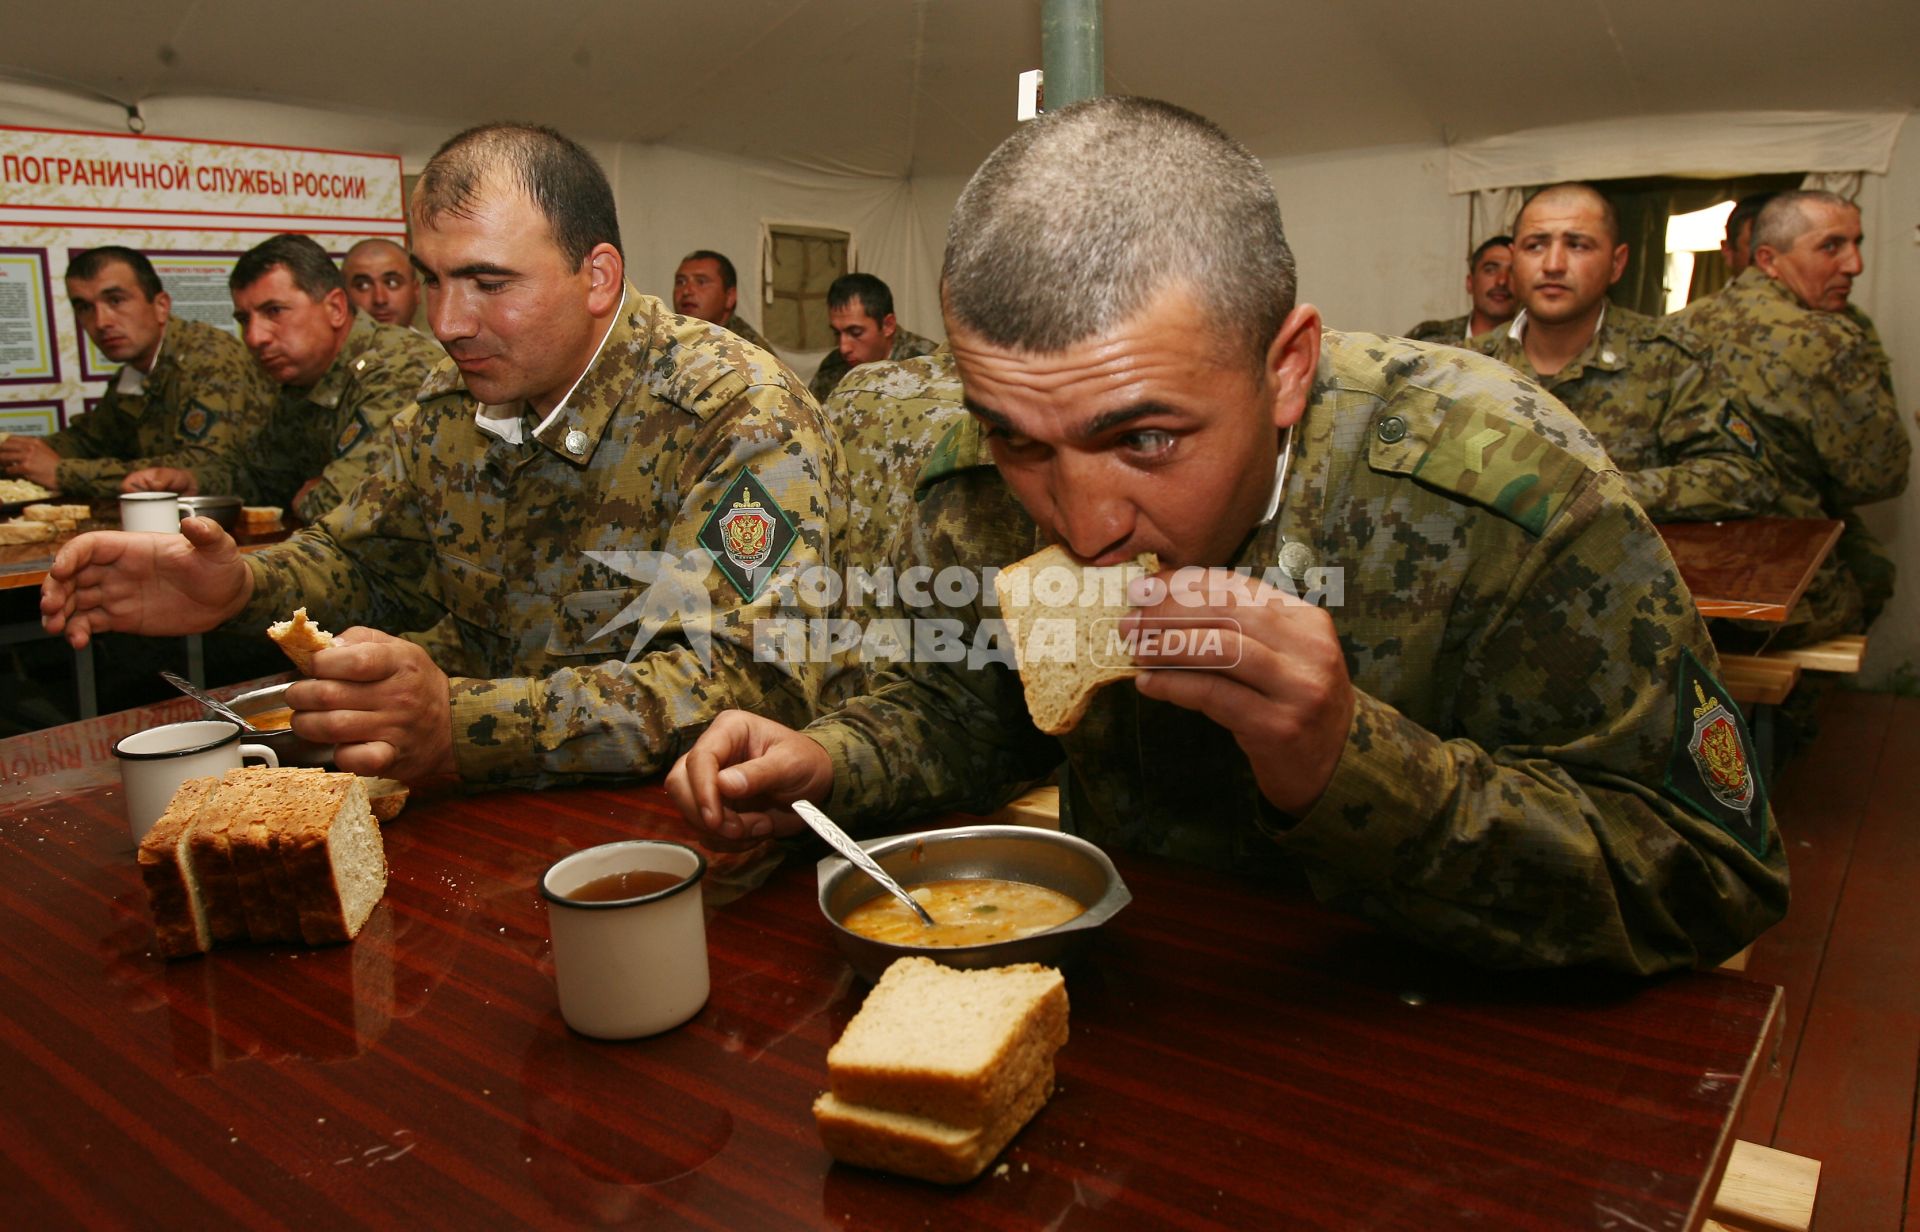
[(941, 1067), (263, 855)]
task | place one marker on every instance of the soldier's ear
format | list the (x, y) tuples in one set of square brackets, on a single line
[(1289, 365), (606, 279), (163, 307), (339, 311)]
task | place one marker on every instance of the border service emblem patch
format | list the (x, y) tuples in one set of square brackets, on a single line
[(1711, 768), (197, 420), (748, 535)]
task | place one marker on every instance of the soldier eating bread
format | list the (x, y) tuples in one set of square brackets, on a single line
[(1507, 741)]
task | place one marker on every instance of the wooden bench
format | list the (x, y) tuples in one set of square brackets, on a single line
[(1764, 1190), (1758, 680), (1836, 654)]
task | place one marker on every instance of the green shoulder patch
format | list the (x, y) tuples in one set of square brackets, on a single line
[(1737, 426), (357, 429), (1710, 768), (196, 420), (1500, 462), (962, 448), (748, 534)]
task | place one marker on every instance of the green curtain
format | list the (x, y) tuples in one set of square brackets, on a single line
[(1644, 205)]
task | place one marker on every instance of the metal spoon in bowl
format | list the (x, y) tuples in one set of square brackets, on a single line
[(841, 842), (218, 707)]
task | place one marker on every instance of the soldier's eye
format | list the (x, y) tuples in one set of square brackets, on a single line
[(1148, 442)]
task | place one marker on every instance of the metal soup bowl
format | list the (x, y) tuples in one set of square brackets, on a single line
[(292, 749), (1046, 858), (222, 509)]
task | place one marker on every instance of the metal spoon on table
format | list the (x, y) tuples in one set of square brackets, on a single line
[(218, 707), (843, 843)]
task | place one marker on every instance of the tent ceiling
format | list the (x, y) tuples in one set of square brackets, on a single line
[(920, 87)]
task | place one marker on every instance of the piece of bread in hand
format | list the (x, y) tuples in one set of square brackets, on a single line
[(941, 1067), (300, 638), (1069, 649), (26, 532)]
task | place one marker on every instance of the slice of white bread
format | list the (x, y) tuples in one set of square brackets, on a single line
[(210, 848), (916, 1146), (266, 797), (336, 859), (57, 513), (300, 638), (173, 888), (26, 532), (953, 1046), (1066, 650), (386, 797)]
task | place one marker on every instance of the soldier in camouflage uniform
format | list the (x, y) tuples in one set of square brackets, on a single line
[(187, 398), (706, 287), (860, 308), (1814, 372), (1504, 739), (1650, 391), (1489, 288), (603, 530), (888, 418)]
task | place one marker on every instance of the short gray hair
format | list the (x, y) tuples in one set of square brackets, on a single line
[(1083, 215), (1783, 220)]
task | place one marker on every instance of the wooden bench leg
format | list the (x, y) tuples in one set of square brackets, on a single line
[(1765, 1190)]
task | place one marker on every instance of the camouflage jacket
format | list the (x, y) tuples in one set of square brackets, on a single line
[(740, 326), (1819, 383), (906, 345), (1451, 331), (627, 520), (204, 405), (1520, 783), (1665, 412), (336, 430)]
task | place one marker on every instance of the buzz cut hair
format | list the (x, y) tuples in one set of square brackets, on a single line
[(1574, 188), (1784, 219), (1498, 241), (376, 242), (89, 265), (876, 297), (1083, 215), (308, 264), (728, 278), (564, 182)]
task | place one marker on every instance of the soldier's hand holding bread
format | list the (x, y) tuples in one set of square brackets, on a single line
[(381, 702)]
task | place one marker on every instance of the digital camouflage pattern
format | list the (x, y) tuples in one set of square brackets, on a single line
[(743, 328), (204, 405), (1669, 418), (888, 417), (1452, 331), (336, 430), (906, 345), (1517, 634), (461, 522), (1820, 385)]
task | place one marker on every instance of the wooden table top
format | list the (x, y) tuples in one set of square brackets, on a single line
[(1752, 569), (1239, 1057), (26, 564)]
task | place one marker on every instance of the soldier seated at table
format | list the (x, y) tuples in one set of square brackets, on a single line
[(707, 287), (343, 377), (185, 397), (860, 310), (1503, 738), (1649, 390), (1812, 367), (596, 490), (1489, 289)]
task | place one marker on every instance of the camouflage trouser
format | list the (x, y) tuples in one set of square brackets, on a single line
[(1870, 564)]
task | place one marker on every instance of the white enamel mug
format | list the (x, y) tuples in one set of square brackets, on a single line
[(150, 511), (154, 762), (632, 966)]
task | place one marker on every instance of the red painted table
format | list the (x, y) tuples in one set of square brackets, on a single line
[(1240, 1058), (1752, 569)]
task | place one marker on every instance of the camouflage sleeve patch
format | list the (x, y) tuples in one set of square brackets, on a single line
[(357, 430), (962, 448), (1710, 768), (1736, 425), (1501, 463), (197, 419), (748, 535)]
